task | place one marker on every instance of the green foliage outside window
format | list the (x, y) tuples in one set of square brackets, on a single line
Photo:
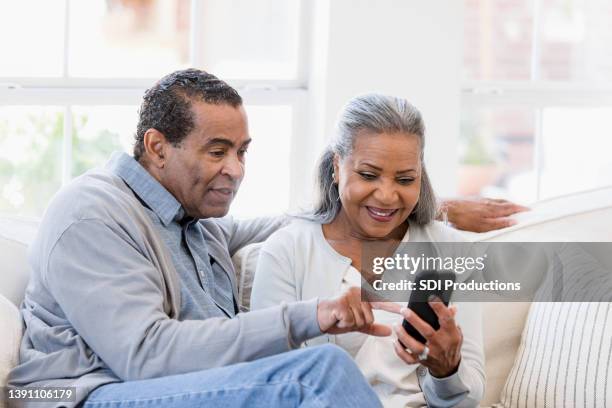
[(31, 155)]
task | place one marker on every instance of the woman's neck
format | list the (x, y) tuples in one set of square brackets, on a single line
[(349, 243)]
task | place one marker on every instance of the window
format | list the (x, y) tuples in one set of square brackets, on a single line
[(140, 38), (536, 97), (254, 39), (267, 162), (70, 97), (30, 156), (497, 152)]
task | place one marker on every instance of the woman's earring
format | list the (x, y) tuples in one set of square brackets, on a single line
[(334, 177)]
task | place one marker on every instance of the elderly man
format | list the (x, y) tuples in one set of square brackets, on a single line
[(132, 299)]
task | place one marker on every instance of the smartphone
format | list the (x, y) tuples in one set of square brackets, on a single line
[(428, 283)]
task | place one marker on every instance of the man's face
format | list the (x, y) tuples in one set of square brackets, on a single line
[(205, 170)]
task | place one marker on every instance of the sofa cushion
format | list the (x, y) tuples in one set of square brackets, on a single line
[(245, 263), (10, 337), (15, 236), (583, 216), (579, 217)]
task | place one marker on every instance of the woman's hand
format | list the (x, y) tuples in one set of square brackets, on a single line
[(443, 345)]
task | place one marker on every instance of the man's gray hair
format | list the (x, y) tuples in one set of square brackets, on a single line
[(373, 113)]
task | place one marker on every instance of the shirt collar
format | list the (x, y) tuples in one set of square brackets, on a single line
[(146, 187)]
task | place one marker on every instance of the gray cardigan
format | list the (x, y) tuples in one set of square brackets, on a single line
[(103, 299)]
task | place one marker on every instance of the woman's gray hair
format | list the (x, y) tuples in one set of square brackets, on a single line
[(376, 114)]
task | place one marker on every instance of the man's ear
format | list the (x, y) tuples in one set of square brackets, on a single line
[(336, 164), (155, 146)]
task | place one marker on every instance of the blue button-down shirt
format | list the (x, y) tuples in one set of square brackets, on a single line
[(206, 289)]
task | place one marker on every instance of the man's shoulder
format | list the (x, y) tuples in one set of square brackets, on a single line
[(89, 194), (95, 195)]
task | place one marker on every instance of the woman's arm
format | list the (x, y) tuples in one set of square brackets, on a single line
[(451, 372), (465, 387)]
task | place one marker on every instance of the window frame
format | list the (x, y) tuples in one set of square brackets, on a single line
[(535, 93), (67, 91)]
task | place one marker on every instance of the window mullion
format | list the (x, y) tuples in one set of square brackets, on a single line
[(535, 78), (536, 48), (65, 71), (538, 162), (196, 34), (67, 146), (304, 41)]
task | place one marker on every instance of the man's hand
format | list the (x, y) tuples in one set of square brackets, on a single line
[(348, 313), (481, 214)]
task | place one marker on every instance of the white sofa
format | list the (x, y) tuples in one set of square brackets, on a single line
[(579, 217)]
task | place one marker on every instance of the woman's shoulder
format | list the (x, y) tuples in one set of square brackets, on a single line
[(435, 231), (298, 232)]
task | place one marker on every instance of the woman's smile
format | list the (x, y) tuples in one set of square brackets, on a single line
[(381, 214)]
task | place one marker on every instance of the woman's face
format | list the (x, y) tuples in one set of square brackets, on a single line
[(379, 183)]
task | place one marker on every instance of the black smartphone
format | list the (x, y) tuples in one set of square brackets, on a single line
[(428, 283)]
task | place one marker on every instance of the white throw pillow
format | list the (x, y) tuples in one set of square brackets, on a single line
[(565, 355), (10, 337)]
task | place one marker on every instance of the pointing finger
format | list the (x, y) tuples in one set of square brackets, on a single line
[(388, 306)]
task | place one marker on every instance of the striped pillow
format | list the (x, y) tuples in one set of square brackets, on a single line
[(565, 355)]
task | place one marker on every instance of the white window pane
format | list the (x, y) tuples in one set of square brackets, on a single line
[(498, 39), (265, 188), (576, 149), (98, 131), (30, 157), (496, 153), (251, 39), (576, 40), (128, 38), (32, 38)]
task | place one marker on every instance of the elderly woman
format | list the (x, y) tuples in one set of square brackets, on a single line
[(373, 186)]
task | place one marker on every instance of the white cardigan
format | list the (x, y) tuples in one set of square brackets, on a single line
[(297, 263)]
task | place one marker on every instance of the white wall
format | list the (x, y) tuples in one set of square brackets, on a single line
[(409, 48)]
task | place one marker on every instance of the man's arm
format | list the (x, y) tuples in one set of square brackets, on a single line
[(241, 233), (480, 214), (113, 296)]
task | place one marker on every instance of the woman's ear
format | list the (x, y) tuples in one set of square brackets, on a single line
[(336, 172)]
